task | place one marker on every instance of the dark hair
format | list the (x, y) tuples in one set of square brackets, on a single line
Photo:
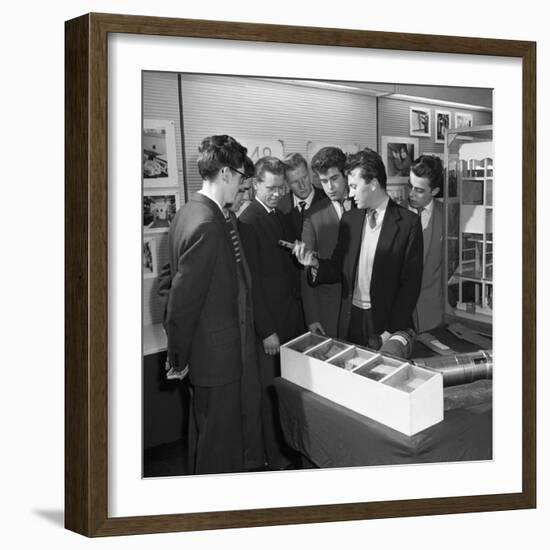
[(327, 158), (430, 167), (215, 152), (370, 163), (293, 160), (269, 164), (248, 167)]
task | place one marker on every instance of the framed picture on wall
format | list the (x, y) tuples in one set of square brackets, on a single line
[(398, 154), (150, 258), (106, 492), (160, 167), (420, 121), (463, 120), (442, 122), (159, 211)]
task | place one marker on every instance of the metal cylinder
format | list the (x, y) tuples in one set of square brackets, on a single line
[(462, 368)]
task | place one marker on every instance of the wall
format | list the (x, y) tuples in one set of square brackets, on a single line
[(393, 117)]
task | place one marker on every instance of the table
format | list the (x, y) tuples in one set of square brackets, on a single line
[(330, 435)]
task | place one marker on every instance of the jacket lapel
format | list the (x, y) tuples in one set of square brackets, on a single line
[(388, 232)]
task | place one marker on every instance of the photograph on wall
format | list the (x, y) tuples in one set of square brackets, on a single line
[(159, 211), (463, 120), (442, 123), (420, 121), (390, 394), (150, 258), (398, 154), (159, 153)]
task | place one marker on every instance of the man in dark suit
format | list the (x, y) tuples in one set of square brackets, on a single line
[(209, 318), (320, 233), (378, 258), (276, 307), (302, 195), (425, 183)]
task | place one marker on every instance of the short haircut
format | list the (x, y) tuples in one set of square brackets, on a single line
[(248, 167), (293, 161), (370, 163), (215, 152), (430, 167), (327, 158), (269, 164)]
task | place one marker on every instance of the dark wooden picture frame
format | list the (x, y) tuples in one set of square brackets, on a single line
[(86, 281)]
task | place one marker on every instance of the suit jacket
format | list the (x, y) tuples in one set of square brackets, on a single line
[(292, 214), (320, 233), (429, 308), (273, 278), (396, 273), (202, 314)]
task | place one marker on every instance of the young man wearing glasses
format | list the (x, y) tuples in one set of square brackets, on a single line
[(277, 312), (209, 320)]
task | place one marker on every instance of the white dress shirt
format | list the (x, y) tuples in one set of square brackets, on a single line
[(369, 242), (308, 200)]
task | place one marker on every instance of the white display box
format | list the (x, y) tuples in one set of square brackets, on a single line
[(400, 395)]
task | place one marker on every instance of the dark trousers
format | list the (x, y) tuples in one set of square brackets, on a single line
[(362, 331), (215, 429)]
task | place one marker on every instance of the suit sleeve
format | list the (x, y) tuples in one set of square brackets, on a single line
[(309, 295), (165, 282), (330, 270), (190, 284), (410, 280), (263, 319)]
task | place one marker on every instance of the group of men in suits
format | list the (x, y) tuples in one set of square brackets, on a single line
[(235, 295)]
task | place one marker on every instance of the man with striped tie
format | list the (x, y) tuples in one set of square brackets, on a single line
[(209, 320), (378, 258)]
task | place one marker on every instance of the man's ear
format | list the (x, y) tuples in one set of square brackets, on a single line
[(435, 192), (374, 183)]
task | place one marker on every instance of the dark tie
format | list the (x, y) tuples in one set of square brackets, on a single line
[(302, 205), (420, 210), (372, 218), (234, 237)]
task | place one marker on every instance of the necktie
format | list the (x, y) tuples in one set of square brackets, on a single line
[(420, 210), (234, 237), (372, 218), (302, 205)]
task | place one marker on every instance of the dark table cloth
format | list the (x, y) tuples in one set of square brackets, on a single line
[(330, 435)]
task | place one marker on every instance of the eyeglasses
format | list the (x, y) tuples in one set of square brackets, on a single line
[(238, 171)]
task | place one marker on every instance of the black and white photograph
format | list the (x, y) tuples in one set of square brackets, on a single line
[(398, 154), (150, 259), (463, 120), (442, 122), (159, 211), (159, 153), (420, 122), (262, 362)]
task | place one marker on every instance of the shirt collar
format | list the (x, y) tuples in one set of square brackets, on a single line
[(204, 193), (308, 199), (269, 210)]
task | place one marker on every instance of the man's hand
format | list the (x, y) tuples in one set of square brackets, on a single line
[(272, 344), (173, 374), (317, 328), (306, 257), (385, 336)]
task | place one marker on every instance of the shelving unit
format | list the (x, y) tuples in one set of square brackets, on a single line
[(468, 197)]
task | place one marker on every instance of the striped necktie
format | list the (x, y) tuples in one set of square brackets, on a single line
[(234, 236)]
